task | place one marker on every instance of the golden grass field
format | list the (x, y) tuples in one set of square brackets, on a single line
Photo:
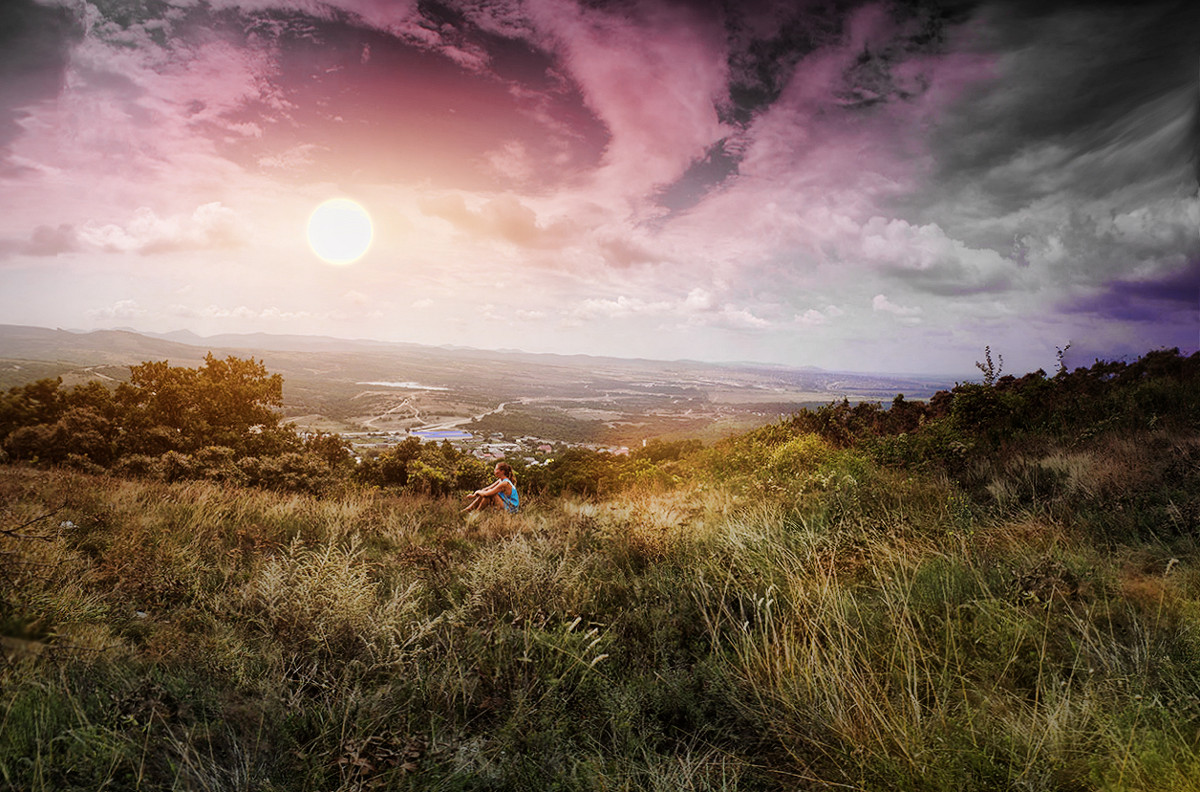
[(815, 622)]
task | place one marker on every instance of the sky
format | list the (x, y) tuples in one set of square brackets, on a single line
[(860, 186)]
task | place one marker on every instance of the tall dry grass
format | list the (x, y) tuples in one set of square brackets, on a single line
[(827, 624)]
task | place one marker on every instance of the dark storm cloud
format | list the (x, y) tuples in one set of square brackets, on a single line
[(1147, 300), (767, 39), (34, 46), (766, 42), (1087, 91), (1195, 133)]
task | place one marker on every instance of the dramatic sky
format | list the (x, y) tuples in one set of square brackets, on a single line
[(873, 186)]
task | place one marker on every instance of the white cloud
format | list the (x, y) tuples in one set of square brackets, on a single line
[(926, 258), (881, 303), (210, 226), (814, 316), (620, 308), (122, 309), (697, 308), (699, 299), (1082, 249), (241, 312), (279, 314), (294, 158), (740, 318)]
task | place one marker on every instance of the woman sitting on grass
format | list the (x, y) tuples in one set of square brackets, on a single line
[(500, 494)]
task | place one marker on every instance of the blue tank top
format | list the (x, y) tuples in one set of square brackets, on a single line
[(511, 501)]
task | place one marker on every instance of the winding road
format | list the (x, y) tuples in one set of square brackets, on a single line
[(454, 423)]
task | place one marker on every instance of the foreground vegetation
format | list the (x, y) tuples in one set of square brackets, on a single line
[(1005, 595)]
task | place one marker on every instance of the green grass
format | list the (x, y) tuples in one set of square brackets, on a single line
[(807, 621)]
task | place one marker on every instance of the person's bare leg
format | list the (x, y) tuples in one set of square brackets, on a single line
[(482, 502)]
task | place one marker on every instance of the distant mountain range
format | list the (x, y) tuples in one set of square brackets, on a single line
[(126, 346)]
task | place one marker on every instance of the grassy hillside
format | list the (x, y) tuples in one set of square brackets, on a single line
[(806, 607)]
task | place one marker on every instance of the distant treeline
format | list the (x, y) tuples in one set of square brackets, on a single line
[(549, 423), (216, 422), (998, 419), (220, 422)]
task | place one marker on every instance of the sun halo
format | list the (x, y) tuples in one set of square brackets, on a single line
[(339, 231)]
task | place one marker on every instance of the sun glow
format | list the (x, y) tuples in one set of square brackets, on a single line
[(339, 231)]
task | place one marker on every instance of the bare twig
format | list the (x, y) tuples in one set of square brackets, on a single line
[(15, 533)]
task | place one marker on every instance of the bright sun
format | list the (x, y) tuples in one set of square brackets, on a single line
[(339, 231)]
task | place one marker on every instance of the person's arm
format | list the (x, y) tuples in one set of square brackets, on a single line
[(491, 489)]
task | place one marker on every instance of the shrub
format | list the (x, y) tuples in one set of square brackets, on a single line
[(217, 463), (799, 456), (174, 466), (38, 443), (136, 466), (292, 471)]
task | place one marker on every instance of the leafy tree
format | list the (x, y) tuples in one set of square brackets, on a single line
[(390, 469), (228, 402), (332, 448), (39, 402), (39, 443), (426, 468)]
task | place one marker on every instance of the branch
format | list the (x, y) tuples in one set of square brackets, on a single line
[(15, 532)]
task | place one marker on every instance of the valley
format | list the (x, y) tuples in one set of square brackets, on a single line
[(374, 392)]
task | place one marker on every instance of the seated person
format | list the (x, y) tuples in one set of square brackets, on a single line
[(500, 494)]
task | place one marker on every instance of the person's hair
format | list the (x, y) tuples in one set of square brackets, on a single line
[(505, 468)]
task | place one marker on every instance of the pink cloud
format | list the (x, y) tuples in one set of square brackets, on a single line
[(504, 218), (135, 115), (653, 78), (512, 161), (814, 171)]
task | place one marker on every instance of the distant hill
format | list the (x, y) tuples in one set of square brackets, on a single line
[(101, 347), (365, 384)]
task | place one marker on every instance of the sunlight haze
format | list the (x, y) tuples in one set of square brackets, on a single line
[(864, 186)]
